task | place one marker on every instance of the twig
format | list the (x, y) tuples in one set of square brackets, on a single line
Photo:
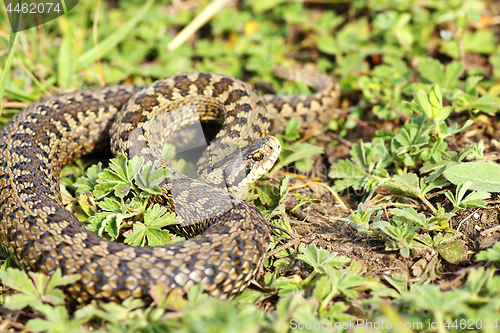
[(274, 225), (206, 14), (268, 255)]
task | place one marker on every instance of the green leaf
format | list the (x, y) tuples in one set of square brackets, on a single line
[(291, 130), (328, 45), (100, 221), (430, 69), (451, 74), (260, 6), (492, 254), (137, 237), (58, 280), (113, 223), (118, 177), (487, 104), (423, 102), (150, 231), (111, 205), (483, 176), (453, 252), (299, 151), (445, 112), (410, 215), (317, 258), (18, 280), (88, 183), (157, 217), (435, 98), (150, 178), (157, 237)]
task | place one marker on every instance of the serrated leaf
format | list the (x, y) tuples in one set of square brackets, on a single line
[(113, 222), (318, 257), (18, 280), (407, 182), (157, 237), (89, 181), (118, 177), (157, 217), (99, 224), (483, 176), (345, 169), (137, 235), (58, 280), (150, 178), (20, 301), (110, 205)]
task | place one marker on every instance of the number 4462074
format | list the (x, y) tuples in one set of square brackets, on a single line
[(33, 8), (471, 324)]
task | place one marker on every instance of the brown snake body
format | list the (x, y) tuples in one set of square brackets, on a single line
[(41, 235)]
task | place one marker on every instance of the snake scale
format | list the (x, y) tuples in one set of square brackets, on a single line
[(41, 235)]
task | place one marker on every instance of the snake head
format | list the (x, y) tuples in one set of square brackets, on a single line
[(240, 167)]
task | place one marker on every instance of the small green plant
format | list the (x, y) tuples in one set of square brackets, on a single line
[(117, 197), (400, 233), (492, 254), (42, 294), (360, 219), (304, 200), (474, 199)]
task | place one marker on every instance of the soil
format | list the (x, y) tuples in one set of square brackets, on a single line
[(320, 223)]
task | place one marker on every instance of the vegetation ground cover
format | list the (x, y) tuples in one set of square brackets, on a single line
[(411, 153)]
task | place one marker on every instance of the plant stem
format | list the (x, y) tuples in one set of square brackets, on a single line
[(3, 79)]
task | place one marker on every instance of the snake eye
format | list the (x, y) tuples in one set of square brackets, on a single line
[(257, 156)]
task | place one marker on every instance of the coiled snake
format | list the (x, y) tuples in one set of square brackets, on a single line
[(42, 235)]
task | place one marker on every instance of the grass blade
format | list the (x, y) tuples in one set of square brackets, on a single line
[(112, 40), (3, 79)]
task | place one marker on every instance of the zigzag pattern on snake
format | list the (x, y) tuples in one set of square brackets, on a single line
[(41, 235)]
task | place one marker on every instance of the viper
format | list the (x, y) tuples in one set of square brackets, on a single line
[(41, 235)]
